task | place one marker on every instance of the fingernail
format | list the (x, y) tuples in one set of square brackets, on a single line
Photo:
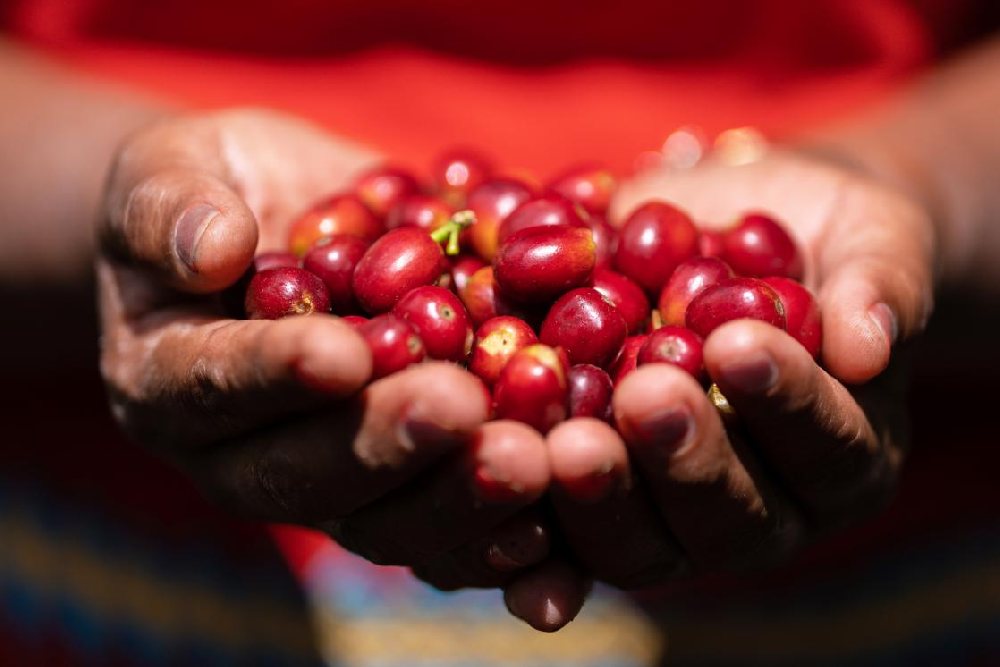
[(493, 487), (886, 321), (190, 228), (752, 374), (667, 431), (593, 486)]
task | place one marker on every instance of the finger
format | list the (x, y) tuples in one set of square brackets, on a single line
[(548, 596), (489, 562), (877, 288), (804, 423), (606, 520), (199, 381), (171, 209), (328, 465), (504, 468), (713, 496)]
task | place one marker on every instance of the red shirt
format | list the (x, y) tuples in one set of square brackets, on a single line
[(602, 79)]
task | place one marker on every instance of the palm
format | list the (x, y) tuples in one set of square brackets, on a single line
[(843, 224)]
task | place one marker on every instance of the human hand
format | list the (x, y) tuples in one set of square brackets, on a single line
[(815, 449), (273, 418)]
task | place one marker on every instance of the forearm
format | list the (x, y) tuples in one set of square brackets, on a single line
[(940, 142), (58, 132)]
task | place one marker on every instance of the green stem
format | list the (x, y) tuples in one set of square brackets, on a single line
[(450, 230)]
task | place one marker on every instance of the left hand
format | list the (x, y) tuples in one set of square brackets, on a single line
[(816, 448)]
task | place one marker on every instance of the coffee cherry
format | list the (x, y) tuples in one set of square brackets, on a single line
[(689, 280), (759, 247), (655, 239), (462, 268), (497, 340), (402, 260), (457, 172), (627, 358), (587, 326), (276, 293), (532, 388), (605, 241), (804, 322), (339, 215), (421, 211), (735, 299), (479, 296), (383, 187), (627, 297), (354, 320), (711, 243), (491, 203), (393, 342), (543, 211), (233, 297), (590, 391), (440, 320), (333, 260), (674, 345), (538, 264), (590, 186)]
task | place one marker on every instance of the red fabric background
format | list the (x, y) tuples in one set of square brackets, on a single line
[(537, 83)]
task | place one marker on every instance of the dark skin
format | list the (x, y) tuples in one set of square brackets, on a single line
[(886, 207)]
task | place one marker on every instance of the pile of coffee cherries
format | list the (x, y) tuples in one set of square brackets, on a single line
[(529, 287)]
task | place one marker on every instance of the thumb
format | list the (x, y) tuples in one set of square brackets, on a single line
[(876, 288), (170, 210)]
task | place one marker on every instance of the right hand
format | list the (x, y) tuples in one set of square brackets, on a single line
[(273, 418)]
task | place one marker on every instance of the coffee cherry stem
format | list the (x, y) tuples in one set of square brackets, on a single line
[(450, 230)]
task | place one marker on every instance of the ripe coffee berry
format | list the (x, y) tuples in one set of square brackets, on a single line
[(492, 202), (735, 299), (540, 264), (655, 239), (497, 340), (760, 247), (333, 260), (421, 211), (382, 187), (590, 391), (277, 293), (440, 320), (627, 297), (532, 388), (543, 211), (627, 359), (674, 345), (689, 280), (459, 171), (394, 344), (462, 268), (804, 322), (590, 186), (587, 325), (605, 241), (402, 260), (342, 214), (234, 297)]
